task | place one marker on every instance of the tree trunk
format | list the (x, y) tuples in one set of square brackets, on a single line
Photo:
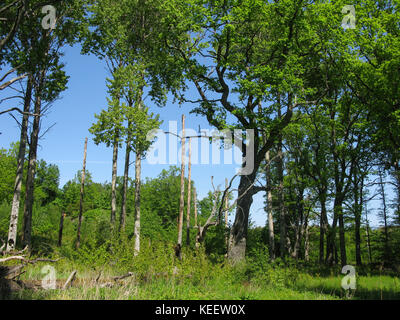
[(322, 226), (358, 200), (281, 199), (138, 167), (30, 179), (368, 236), (12, 233), (330, 241), (271, 235), (182, 196), (189, 194), (342, 243), (114, 184), (195, 206), (384, 214), (307, 244), (78, 238), (238, 233), (122, 218), (60, 230)]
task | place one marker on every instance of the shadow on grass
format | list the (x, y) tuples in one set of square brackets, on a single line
[(359, 294)]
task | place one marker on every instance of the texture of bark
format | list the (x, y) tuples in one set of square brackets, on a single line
[(182, 195), (138, 164), (271, 235), (189, 194), (114, 184), (122, 218), (78, 238), (12, 233), (30, 179)]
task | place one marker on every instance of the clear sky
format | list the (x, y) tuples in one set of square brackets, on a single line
[(74, 113)]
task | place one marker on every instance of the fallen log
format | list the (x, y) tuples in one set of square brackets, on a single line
[(70, 279)]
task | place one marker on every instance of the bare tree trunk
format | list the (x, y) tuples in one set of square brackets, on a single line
[(226, 204), (12, 233), (323, 224), (384, 214), (195, 206), (358, 203), (281, 199), (122, 218), (182, 196), (60, 230), (30, 179), (342, 243), (368, 236), (78, 238), (138, 167), (271, 235), (114, 184), (189, 194), (307, 244)]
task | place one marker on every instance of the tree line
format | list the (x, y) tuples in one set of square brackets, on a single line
[(322, 99)]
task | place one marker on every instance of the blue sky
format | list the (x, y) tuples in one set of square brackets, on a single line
[(74, 113)]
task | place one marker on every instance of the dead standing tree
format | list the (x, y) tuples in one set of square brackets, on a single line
[(78, 239), (219, 208)]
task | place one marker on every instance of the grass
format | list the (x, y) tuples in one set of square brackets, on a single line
[(169, 290), (368, 287), (198, 279)]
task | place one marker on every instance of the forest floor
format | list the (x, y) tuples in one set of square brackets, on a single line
[(89, 285)]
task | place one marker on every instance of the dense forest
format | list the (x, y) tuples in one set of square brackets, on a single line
[(312, 89)]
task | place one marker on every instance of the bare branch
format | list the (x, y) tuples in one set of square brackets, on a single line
[(20, 111)]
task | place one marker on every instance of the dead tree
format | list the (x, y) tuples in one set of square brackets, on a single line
[(182, 196), (78, 238), (218, 210), (189, 194)]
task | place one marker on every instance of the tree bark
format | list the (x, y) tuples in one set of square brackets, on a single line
[(12, 233), (323, 224), (195, 206), (358, 201), (138, 165), (30, 179), (122, 218), (114, 184), (385, 215), (189, 194), (271, 235), (182, 196), (78, 238), (281, 199), (238, 233)]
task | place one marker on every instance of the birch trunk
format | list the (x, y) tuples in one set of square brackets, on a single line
[(138, 164), (12, 233)]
